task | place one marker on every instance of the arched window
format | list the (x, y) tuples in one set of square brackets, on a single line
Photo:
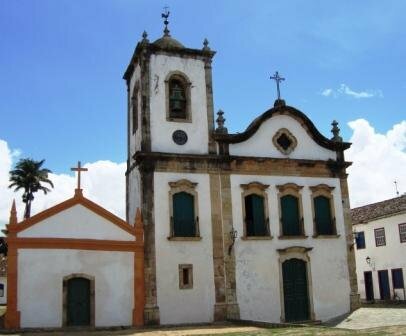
[(177, 98), (134, 108), (183, 215)]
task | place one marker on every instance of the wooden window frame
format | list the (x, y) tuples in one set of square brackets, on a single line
[(356, 244), (255, 188), (384, 236), (400, 232), (393, 278), (135, 103), (189, 187), (188, 267), (294, 190), (326, 191), (180, 76)]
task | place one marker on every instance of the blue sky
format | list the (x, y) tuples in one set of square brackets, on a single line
[(62, 96)]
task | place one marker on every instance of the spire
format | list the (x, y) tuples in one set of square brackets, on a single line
[(336, 132), (165, 15), (220, 122), (13, 214)]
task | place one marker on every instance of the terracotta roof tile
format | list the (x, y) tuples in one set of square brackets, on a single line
[(377, 210)]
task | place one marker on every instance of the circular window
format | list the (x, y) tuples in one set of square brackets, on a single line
[(179, 137)]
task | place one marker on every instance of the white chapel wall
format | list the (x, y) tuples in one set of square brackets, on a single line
[(183, 305), (257, 262), (76, 222), (260, 144), (134, 182), (40, 279), (388, 257), (161, 129)]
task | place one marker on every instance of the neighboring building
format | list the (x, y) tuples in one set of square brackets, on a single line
[(380, 249), (3, 279), (74, 264), (253, 225)]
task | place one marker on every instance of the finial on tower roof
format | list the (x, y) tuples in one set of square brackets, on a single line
[(13, 213), (336, 132), (165, 15), (220, 122), (206, 45), (144, 37)]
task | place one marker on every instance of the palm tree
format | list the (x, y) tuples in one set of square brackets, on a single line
[(29, 175)]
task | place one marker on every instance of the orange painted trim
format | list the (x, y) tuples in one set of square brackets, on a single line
[(77, 199), (12, 317), (75, 244)]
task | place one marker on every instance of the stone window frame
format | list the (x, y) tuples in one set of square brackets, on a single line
[(296, 252), (189, 285), (189, 187), (291, 138), (256, 188), (402, 232), (381, 229), (65, 297), (180, 76), (326, 191), (135, 103), (294, 190)]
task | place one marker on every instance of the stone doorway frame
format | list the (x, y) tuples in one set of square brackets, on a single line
[(65, 297), (301, 253)]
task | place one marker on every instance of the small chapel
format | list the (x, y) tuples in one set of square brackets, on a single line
[(250, 226)]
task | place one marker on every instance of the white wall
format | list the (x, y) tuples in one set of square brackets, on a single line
[(260, 144), (390, 256), (257, 268), (183, 305), (134, 190), (161, 129), (76, 222), (40, 278), (3, 299)]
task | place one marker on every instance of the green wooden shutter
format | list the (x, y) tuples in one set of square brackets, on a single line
[(323, 215), (255, 215), (183, 215), (290, 216)]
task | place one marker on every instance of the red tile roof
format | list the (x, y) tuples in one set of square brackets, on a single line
[(390, 207)]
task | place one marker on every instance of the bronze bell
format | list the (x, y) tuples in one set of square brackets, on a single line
[(177, 99)]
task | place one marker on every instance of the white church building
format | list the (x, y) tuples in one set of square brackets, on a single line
[(248, 226)]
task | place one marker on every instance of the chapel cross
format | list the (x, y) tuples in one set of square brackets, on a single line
[(165, 16), (277, 79), (79, 169)]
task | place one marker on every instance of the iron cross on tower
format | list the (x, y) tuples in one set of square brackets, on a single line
[(277, 79), (165, 15), (79, 169)]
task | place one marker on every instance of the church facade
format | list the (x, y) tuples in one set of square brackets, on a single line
[(248, 226)]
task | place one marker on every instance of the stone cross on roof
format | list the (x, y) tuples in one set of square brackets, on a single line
[(277, 79), (79, 169)]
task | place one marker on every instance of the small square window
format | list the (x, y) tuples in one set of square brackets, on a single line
[(380, 239), (185, 276), (360, 240), (402, 232)]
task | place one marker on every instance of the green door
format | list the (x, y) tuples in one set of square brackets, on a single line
[(295, 291), (78, 302), (184, 215), (290, 216)]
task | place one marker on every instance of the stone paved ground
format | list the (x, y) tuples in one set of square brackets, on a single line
[(374, 317)]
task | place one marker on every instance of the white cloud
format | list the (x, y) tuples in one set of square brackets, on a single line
[(378, 161), (345, 90), (104, 184)]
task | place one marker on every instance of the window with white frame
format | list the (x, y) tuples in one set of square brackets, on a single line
[(402, 232), (380, 239)]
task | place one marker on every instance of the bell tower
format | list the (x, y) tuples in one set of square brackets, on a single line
[(169, 112)]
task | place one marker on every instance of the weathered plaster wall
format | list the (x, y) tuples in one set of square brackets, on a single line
[(40, 278), (161, 129), (76, 222), (183, 305), (134, 194), (3, 299), (257, 262), (390, 256), (260, 144)]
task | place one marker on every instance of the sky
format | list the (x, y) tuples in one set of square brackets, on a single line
[(63, 99)]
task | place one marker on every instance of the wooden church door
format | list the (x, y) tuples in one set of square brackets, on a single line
[(295, 290), (78, 302)]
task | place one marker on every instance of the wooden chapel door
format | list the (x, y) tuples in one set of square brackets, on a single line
[(78, 302)]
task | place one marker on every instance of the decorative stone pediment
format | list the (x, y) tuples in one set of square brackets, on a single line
[(321, 187), (183, 183), (254, 185), (284, 141)]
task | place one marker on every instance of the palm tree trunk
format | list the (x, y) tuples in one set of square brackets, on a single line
[(27, 211)]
